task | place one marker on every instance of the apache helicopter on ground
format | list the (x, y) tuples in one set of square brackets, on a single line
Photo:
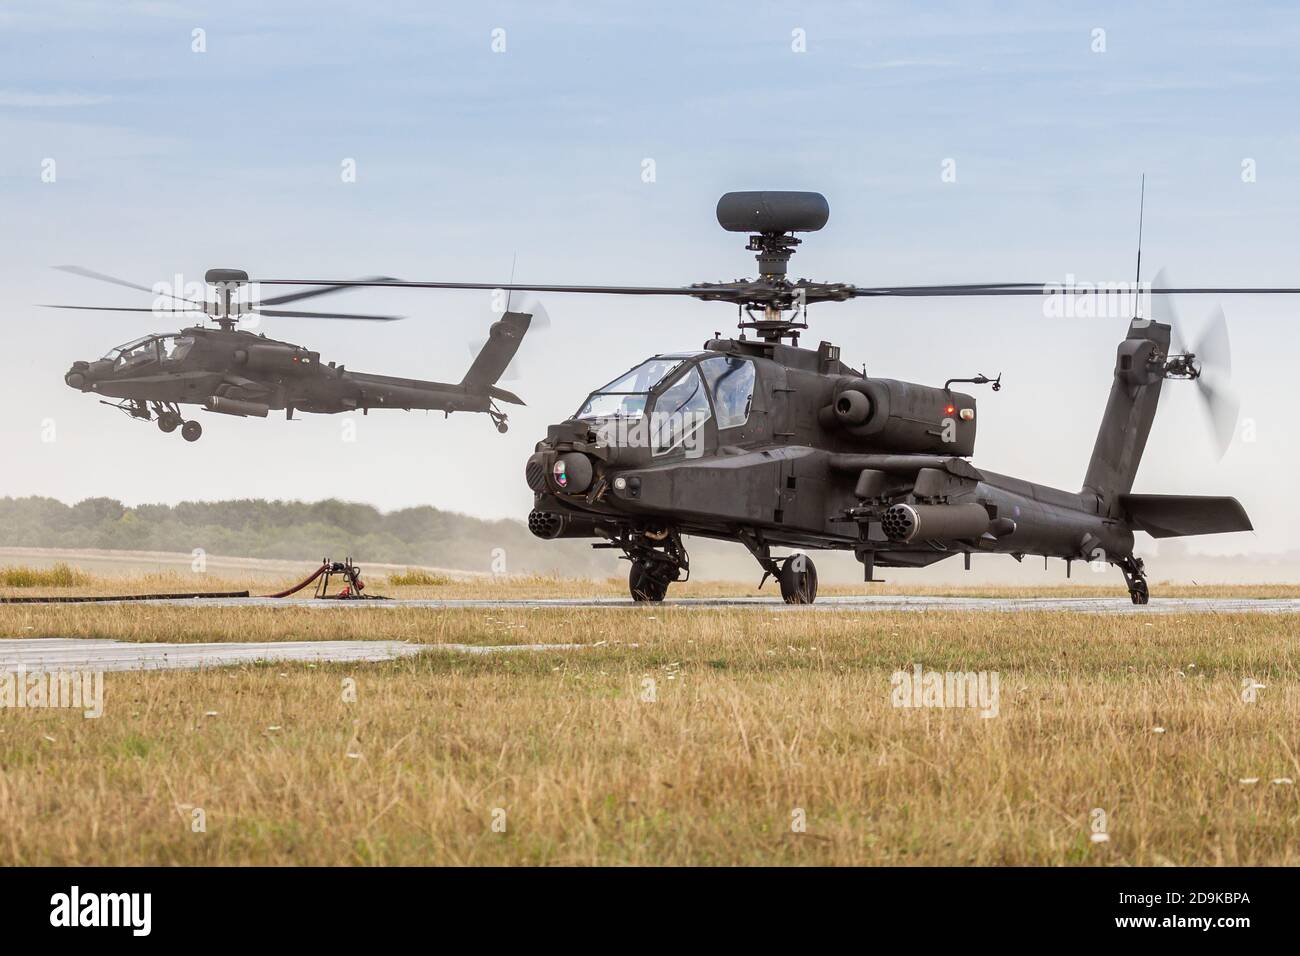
[(771, 445), (236, 372)]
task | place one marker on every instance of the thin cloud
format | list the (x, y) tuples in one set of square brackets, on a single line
[(161, 8), (905, 64), (20, 98)]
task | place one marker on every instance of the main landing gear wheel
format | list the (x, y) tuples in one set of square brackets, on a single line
[(191, 431), (645, 584), (169, 422), (798, 580)]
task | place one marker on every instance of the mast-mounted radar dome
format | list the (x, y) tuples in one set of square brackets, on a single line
[(766, 212)]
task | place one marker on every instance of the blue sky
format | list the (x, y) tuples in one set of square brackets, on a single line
[(170, 160)]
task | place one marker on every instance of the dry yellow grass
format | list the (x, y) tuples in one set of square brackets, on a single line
[(417, 577), (756, 715), (60, 575), (416, 583)]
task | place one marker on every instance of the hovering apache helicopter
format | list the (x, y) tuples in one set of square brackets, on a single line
[(235, 372), (771, 445)]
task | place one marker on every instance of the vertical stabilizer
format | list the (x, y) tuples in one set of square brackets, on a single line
[(1130, 410), (504, 339)]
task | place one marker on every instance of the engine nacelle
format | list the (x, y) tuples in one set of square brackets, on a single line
[(277, 358), (852, 408), (902, 417)]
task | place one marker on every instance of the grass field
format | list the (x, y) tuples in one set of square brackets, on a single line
[(672, 736), (63, 579)]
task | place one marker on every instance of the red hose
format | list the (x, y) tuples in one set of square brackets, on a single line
[(298, 587)]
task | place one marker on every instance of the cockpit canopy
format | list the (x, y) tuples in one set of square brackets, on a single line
[(150, 348), (627, 395), (669, 398)]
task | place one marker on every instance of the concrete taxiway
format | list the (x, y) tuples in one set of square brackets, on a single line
[(46, 655), (854, 604)]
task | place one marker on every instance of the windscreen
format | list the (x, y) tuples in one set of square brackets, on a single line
[(626, 396)]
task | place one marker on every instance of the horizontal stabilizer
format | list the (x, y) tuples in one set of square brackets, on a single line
[(501, 395), (1173, 516)]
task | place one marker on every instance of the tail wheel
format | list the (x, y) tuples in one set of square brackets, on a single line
[(1135, 576), (798, 580), (645, 585), (1140, 593), (191, 431)]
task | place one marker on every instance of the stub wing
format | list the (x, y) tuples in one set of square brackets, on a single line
[(1174, 516)]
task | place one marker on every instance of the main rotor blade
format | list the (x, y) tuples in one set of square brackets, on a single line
[(1272, 290), (950, 287), (1056, 289), (488, 286), (967, 289), (104, 277), (738, 291), (312, 293), (1029, 288), (113, 308), (289, 314)]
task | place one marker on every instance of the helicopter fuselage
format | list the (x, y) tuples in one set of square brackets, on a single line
[(809, 453), (236, 372), (789, 474)]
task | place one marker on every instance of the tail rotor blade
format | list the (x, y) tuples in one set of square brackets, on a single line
[(1213, 358), (492, 361), (503, 303), (1163, 311), (532, 305), (1213, 350), (1222, 408)]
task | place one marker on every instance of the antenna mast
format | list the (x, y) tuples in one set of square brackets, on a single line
[(1137, 281)]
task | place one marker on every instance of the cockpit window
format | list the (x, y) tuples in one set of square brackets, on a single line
[(173, 348), (115, 353), (134, 353), (679, 414), (626, 396), (731, 381)]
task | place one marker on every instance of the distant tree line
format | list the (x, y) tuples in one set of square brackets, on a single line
[(294, 530)]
